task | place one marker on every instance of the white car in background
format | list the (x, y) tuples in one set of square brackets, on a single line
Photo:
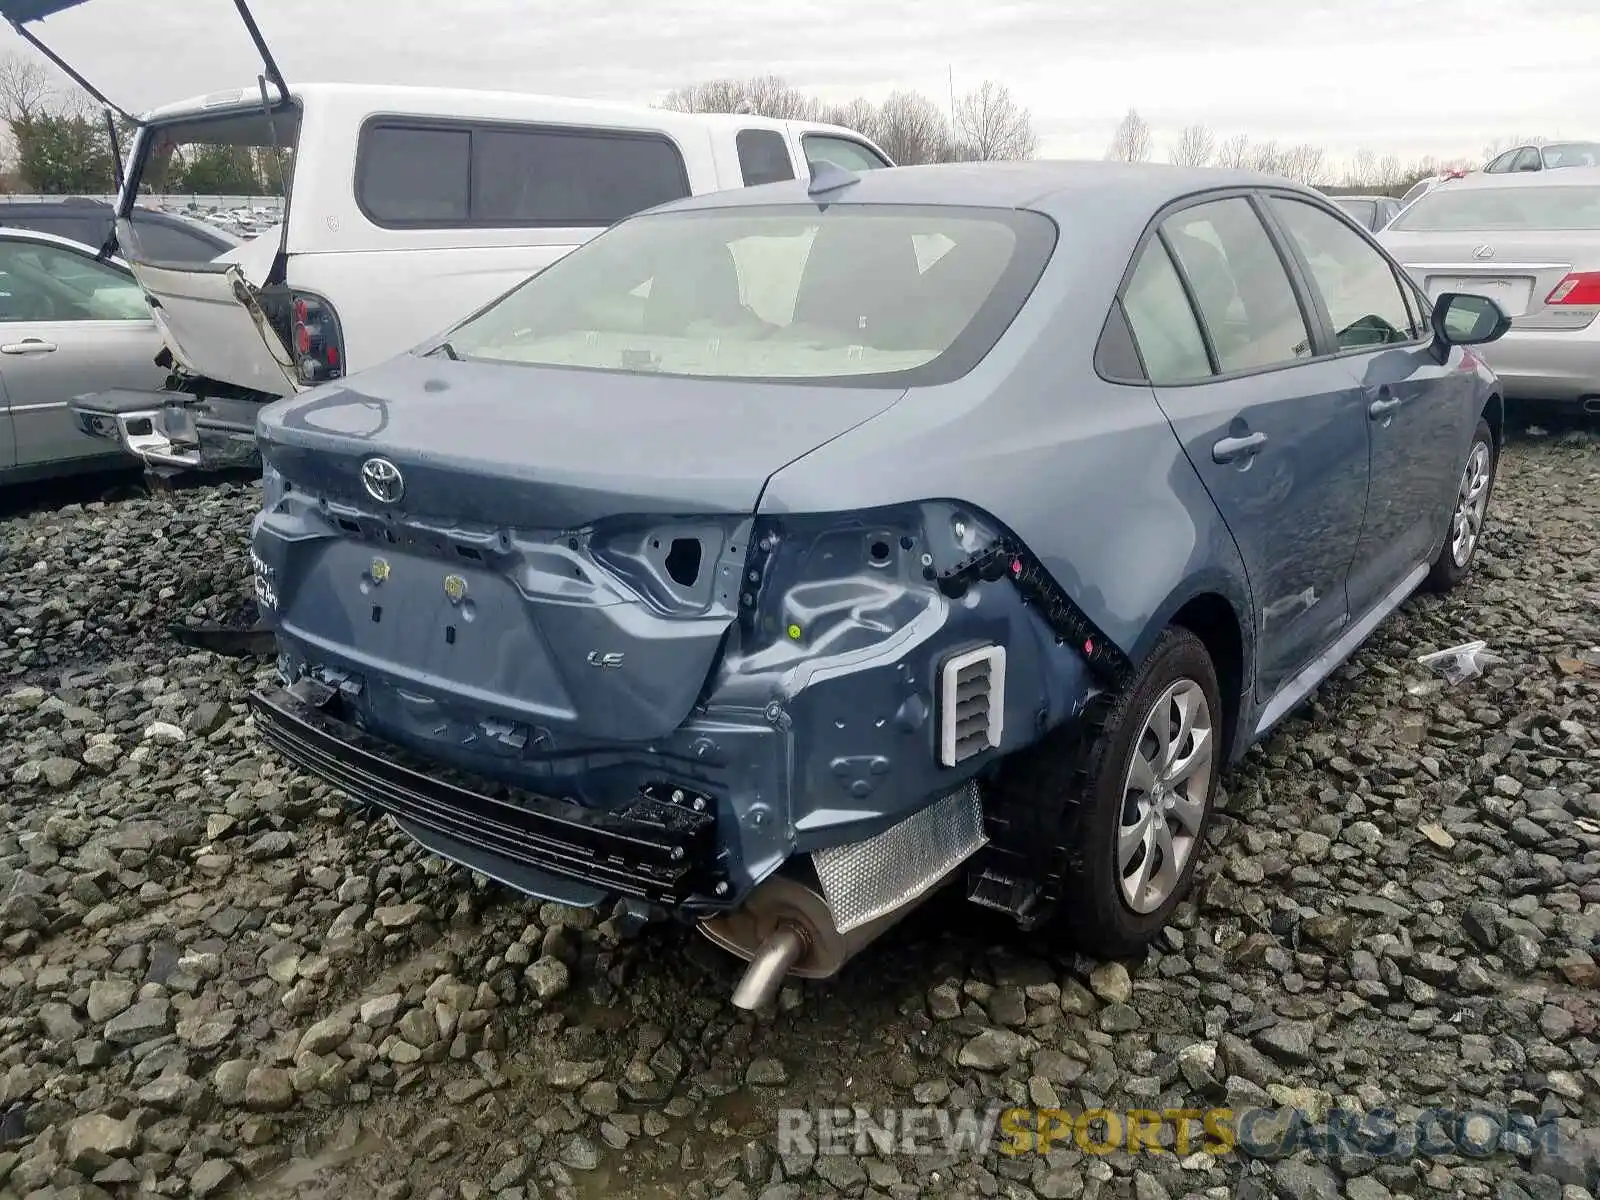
[(1531, 242)]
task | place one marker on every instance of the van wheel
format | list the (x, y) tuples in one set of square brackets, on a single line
[(1133, 794), (1468, 515)]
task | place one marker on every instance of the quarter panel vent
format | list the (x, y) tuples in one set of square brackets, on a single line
[(972, 703)]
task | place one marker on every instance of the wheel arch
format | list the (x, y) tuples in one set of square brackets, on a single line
[(1494, 412), (1215, 610)]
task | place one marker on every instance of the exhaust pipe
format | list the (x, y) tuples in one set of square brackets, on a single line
[(782, 949), (1591, 405), (787, 927)]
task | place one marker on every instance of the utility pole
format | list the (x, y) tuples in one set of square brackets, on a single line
[(952, 71)]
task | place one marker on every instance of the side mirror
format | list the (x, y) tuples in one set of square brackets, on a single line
[(1463, 319)]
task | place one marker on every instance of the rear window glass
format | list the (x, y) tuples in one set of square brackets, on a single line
[(443, 175), (1547, 206), (1571, 154), (227, 161), (886, 293), (1362, 210)]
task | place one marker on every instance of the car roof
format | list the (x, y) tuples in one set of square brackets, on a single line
[(1045, 185), (1565, 177), (51, 239)]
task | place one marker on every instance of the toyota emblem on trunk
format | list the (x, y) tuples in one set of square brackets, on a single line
[(1485, 251), (383, 480)]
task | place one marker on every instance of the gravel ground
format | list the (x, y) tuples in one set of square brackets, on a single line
[(216, 981)]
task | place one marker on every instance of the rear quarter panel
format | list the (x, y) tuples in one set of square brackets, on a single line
[(1087, 473)]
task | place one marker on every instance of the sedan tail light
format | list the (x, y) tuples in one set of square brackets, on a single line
[(1580, 287)]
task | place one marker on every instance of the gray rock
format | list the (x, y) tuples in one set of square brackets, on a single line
[(268, 1090), (213, 1177), (144, 1020)]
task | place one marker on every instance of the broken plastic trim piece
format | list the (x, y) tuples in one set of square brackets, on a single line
[(1011, 560)]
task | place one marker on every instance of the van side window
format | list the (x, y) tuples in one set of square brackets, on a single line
[(763, 156), (413, 176), (506, 176), (841, 152)]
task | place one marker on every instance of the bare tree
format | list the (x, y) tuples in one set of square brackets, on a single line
[(1131, 142), (990, 125), (1390, 171), (770, 96), (1235, 152), (859, 114), (1363, 169), (1266, 157), (709, 95), (1194, 147), (1302, 163), (911, 129)]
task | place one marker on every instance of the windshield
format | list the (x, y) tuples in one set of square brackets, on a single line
[(1543, 207), (230, 171), (1571, 154), (892, 294)]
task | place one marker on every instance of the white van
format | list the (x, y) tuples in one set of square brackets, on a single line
[(404, 209)]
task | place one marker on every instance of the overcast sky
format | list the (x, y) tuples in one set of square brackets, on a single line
[(1409, 77)]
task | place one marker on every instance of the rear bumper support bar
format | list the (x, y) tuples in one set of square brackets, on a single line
[(172, 429), (659, 849)]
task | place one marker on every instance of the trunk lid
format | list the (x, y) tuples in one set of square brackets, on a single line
[(1516, 269), (564, 550)]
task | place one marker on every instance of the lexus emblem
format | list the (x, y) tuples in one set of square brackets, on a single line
[(1484, 251), (383, 480)]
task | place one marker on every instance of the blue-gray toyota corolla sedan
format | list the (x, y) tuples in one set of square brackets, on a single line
[(785, 553)]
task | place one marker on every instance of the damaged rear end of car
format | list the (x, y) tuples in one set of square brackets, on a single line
[(533, 599)]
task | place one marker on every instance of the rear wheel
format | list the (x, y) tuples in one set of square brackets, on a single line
[(1467, 518), (1138, 795)]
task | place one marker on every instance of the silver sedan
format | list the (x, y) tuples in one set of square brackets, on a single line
[(69, 324), (1532, 243)]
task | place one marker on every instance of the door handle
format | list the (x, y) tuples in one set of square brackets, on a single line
[(29, 346), (1231, 449), (1385, 404)]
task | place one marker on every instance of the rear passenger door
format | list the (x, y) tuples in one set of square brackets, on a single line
[(1420, 411), (1278, 436)]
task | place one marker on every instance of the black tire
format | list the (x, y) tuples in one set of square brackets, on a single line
[(1446, 571), (1078, 777)]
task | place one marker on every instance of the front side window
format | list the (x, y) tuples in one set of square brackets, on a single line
[(882, 294), (841, 152), (1357, 283), (47, 283), (1240, 285), (500, 176), (1527, 160), (1163, 324), (1549, 206), (763, 156), (1502, 163)]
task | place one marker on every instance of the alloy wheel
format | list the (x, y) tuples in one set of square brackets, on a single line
[(1165, 795), (1471, 503)]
